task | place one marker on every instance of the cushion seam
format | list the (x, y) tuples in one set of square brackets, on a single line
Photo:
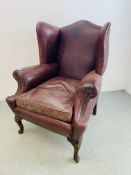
[(47, 107)]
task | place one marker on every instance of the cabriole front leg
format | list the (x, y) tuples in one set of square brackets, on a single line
[(19, 122), (76, 149), (76, 145)]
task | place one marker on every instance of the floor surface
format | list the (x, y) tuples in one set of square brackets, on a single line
[(106, 147)]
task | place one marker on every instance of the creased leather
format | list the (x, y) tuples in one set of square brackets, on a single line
[(30, 77), (85, 100), (54, 98)]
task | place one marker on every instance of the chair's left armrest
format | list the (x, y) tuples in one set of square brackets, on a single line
[(32, 76), (84, 102)]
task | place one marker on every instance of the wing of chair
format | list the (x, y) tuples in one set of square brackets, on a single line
[(62, 91)]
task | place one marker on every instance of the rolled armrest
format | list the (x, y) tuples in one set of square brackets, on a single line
[(91, 81), (32, 76), (84, 102)]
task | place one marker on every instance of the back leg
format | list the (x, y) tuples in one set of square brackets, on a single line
[(19, 122), (95, 109)]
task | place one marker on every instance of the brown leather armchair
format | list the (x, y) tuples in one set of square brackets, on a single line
[(61, 92)]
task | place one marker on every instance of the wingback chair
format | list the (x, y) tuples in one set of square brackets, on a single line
[(62, 91)]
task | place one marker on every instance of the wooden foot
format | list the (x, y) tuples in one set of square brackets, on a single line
[(76, 149), (18, 121), (95, 109), (76, 145)]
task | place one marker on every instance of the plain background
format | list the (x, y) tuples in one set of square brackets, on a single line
[(18, 43)]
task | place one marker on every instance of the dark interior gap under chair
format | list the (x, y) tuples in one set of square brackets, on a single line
[(61, 92)]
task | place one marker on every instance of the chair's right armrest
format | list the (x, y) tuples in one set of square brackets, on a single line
[(32, 76)]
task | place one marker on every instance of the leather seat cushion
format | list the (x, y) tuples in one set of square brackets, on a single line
[(53, 98)]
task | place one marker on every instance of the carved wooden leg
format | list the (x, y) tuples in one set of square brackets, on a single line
[(76, 145), (76, 149), (18, 121), (95, 109)]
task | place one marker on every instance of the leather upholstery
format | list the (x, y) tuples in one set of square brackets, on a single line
[(76, 54), (102, 49), (48, 37), (61, 92), (85, 100), (32, 76), (54, 98), (54, 125)]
